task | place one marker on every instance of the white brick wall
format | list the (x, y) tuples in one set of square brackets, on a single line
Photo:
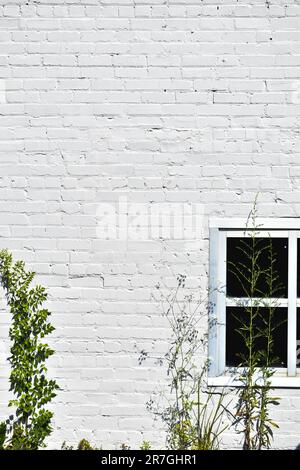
[(162, 101)]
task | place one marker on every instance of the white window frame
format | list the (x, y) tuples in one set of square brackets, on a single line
[(219, 230)]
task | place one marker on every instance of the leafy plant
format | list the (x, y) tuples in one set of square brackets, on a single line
[(257, 328), (145, 445), (2, 434), (83, 444), (193, 414), (28, 381)]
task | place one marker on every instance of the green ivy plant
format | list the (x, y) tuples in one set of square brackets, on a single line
[(29, 353)]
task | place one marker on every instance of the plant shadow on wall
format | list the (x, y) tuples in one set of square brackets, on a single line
[(193, 414), (32, 389)]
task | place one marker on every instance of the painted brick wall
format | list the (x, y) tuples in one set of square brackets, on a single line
[(161, 101)]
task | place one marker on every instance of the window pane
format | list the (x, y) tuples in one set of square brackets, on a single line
[(240, 252), (298, 336), (298, 267), (235, 344)]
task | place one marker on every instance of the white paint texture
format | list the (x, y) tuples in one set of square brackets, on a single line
[(162, 101)]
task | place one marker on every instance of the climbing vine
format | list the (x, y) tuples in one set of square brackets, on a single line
[(29, 353)]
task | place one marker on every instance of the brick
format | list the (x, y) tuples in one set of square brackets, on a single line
[(162, 103)]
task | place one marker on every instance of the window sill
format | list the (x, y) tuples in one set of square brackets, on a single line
[(276, 382)]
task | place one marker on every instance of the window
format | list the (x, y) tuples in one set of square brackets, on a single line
[(229, 298)]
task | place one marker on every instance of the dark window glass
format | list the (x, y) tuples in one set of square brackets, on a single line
[(240, 252), (298, 268), (235, 344), (298, 336)]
